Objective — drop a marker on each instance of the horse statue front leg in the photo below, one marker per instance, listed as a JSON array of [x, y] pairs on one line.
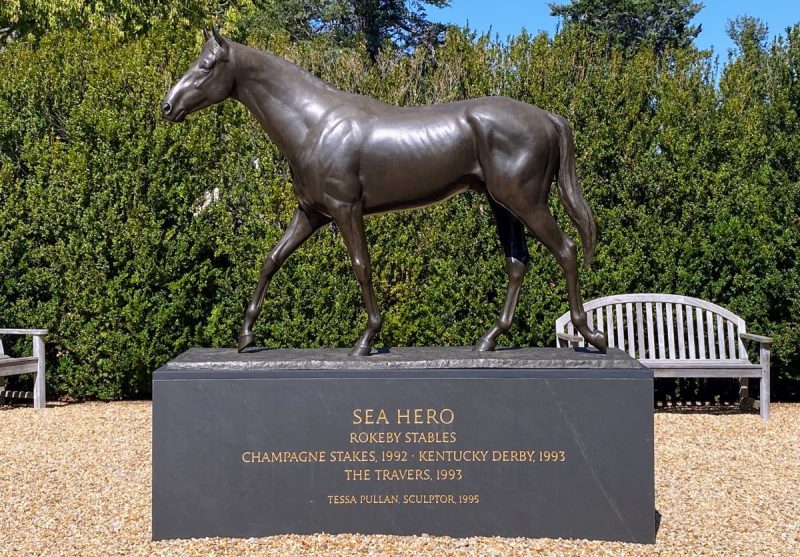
[[349, 219], [300, 229]]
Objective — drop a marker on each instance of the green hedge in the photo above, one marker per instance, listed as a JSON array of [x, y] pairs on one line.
[[694, 185]]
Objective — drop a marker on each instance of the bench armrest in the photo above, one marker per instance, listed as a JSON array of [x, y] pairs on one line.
[[763, 358], [28, 332], [756, 338], [39, 396], [572, 339]]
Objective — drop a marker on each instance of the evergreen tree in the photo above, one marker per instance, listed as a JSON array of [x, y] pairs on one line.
[[629, 23], [748, 33], [402, 22]]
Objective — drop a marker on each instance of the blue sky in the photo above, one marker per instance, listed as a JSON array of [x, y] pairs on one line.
[[509, 17]]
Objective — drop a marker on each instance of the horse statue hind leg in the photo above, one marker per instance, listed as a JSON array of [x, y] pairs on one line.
[[542, 224], [512, 237], [522, 190]]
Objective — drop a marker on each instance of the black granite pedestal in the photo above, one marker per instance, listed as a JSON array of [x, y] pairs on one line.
[[528, 442]]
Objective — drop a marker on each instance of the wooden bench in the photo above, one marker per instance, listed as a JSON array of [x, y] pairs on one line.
[[33, 364], [676, 336]]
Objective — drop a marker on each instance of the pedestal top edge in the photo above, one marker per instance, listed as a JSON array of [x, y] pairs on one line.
[[222, 359]]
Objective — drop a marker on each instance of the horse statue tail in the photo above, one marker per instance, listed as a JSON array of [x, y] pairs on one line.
[[570, 191]]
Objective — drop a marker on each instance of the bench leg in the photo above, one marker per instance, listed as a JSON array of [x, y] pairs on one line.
[[38, 382], [764, 398], [744, 393]]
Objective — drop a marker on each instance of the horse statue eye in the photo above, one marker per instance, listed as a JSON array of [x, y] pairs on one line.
[[205, 67]]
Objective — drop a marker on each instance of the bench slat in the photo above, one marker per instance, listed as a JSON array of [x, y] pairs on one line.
[[742, 349], [690, 326], [702, 368], [651, 338], [720, 338], [620, 330], [676, 373], [701, 337], [629, 322], [712, 351], [663, 298], [706, 363], [610, 328], [731, 342], [600, 320], [18, 366], [662, 352], [8, 362], [590, 322], [640, 330], [670, 332], [20, 395], [681, 341]]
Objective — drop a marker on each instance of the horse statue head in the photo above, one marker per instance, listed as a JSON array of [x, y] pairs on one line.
[[208, 81]]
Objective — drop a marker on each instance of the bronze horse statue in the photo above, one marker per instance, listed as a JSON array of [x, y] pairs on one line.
[[353, 156]]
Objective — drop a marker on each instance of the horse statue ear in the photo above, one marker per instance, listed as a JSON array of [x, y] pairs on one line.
[[221, 41], [222, 54], [205, 34]]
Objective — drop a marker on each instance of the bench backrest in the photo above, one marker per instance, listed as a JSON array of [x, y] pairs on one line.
[[663, 327]]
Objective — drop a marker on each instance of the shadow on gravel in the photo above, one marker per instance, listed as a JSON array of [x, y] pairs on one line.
[[706, 408], [14, 403]]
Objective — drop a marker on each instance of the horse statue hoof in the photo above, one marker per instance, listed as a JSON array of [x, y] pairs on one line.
[[360, 350], [245, 340], [599, 341], [484, 345]]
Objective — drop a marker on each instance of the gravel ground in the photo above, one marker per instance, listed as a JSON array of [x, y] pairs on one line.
[[75, 480]]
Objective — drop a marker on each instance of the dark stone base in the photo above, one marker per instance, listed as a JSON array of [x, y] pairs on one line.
[[530, 442]]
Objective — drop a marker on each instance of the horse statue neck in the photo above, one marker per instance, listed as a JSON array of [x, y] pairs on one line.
[[286, 100]]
